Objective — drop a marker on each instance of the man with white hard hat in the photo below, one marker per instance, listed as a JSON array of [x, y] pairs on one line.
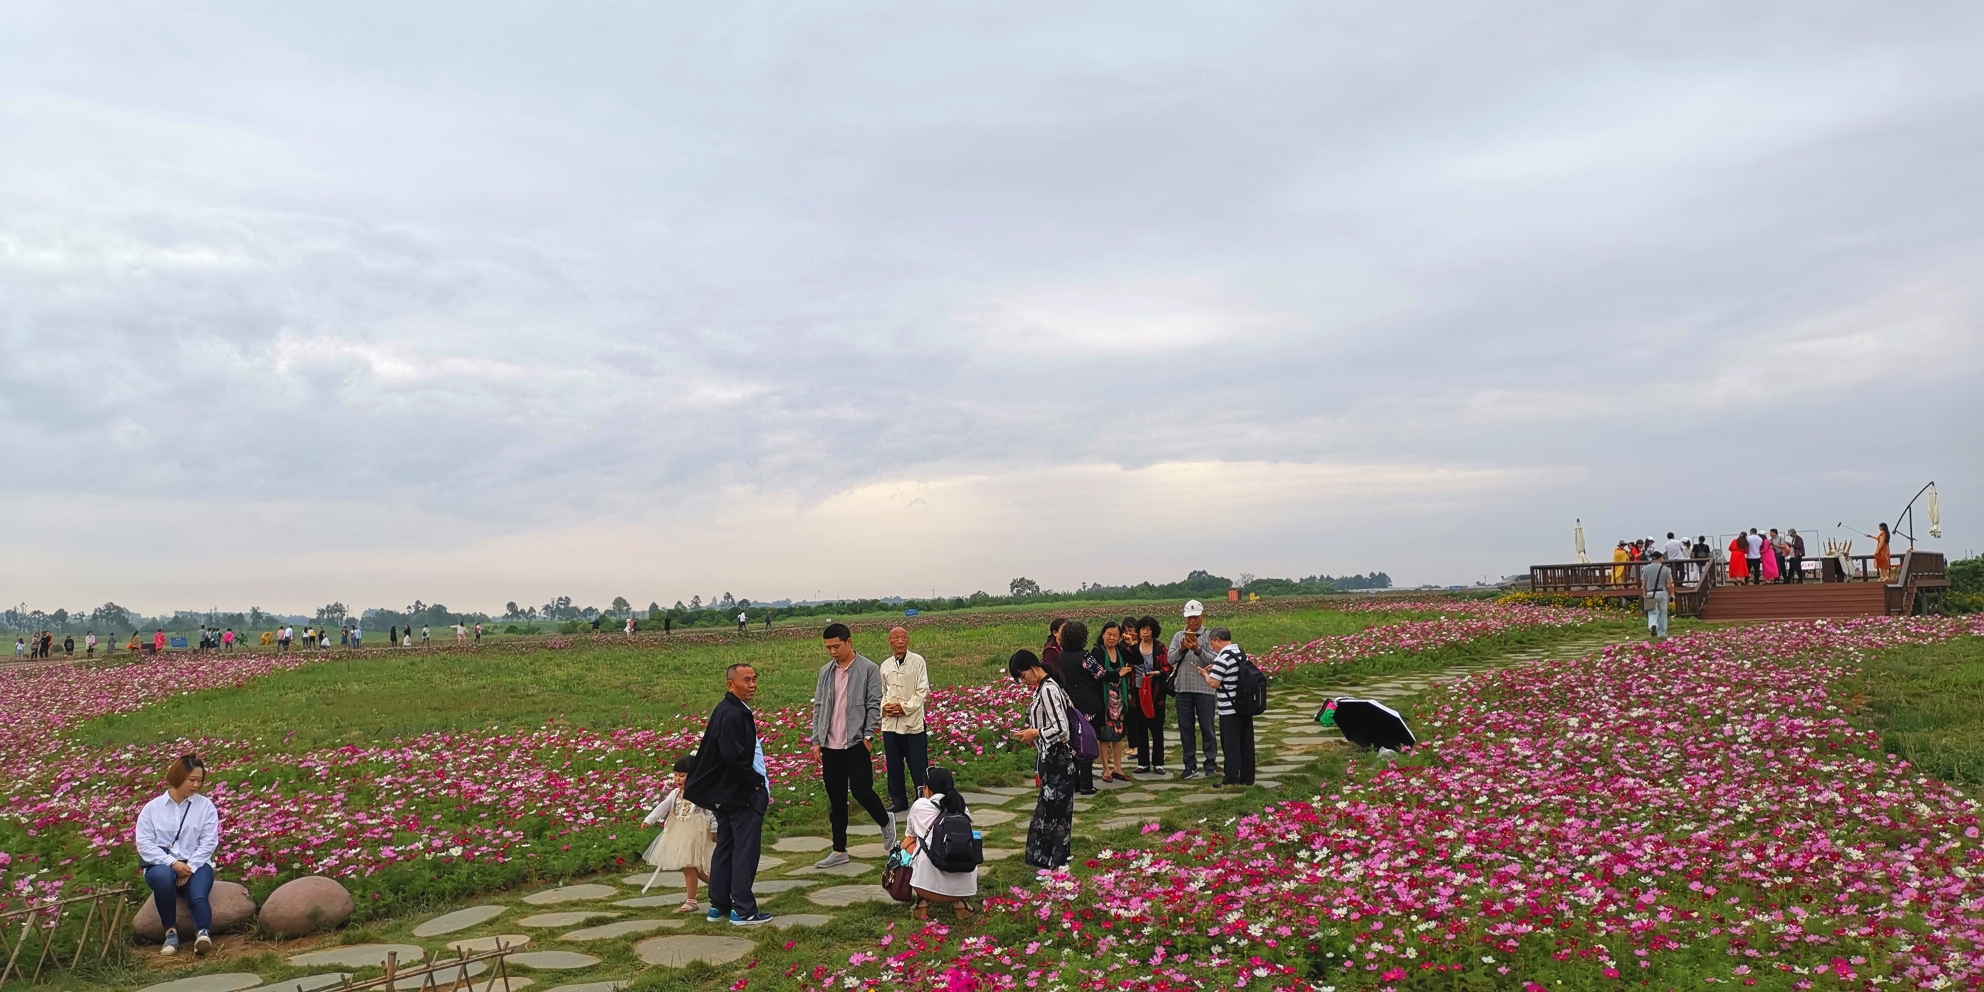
[[1191, 658]]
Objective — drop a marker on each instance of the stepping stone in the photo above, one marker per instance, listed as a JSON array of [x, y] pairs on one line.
[[571, 893], [778, 885], [622, 929], [1112, 784], [1163, 786], [476, 945], [360, 955], [1306, 741], [849, 870], [668, 879], [1278, 768], [308, 983], [1267, 783], [992, 817], [1201, 797], [1008, 790], [800, 920], [671, 900], [460, 919], [875, 850], [233, 981], [561, 960], [983, 798], [848, 895], [510, 984], [1143, 810], [1000, 853], [1082, 807], [548, 921], [590, 987], [794, 844], [1122, 821], [1134, 797], [864, 830], [680, 951]]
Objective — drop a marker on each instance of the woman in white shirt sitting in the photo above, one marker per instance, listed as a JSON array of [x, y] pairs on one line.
[[932, 884], [176, 836]]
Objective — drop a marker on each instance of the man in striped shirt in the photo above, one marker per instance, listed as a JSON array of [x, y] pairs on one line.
[[1236, 729]]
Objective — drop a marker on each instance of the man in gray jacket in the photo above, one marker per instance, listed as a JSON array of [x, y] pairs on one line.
[[1191, 658], [847, 710]]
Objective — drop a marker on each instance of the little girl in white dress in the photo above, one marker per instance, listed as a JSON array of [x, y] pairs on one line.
[[688, 836]]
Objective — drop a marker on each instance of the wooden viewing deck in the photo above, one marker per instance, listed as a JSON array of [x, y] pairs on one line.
[[1832, 587]]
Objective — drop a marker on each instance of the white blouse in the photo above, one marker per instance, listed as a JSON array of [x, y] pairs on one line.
[[195, 823], [923, 815]]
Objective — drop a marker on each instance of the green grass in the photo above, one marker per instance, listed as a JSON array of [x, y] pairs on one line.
[[598, 683], [1927, 702]]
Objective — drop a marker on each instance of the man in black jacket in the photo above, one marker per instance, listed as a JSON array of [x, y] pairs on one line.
[[729, 779]]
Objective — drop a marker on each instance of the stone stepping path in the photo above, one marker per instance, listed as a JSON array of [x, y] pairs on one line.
[[589, 987], [1000, 853], [1267, 783], [983, 798], [621, 929], [557, 960], [1306, 741], [510, 984], [551, 921], [460, 919], [476, 945], [1120, 822], [848, 895], [668, 879], [992, 817], [308, 983], [801, 844], [852, 869], [1277, 768], [671, 900], [1008, 790], [778, 885], [680, 951], [233, 981], [1134, 797], [790, 920], [1143, 810], [875, 850], [1201, 797], [571, 893], [863, 830], [360, 955]]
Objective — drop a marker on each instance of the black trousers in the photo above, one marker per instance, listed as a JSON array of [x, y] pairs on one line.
[[1236, 738], [1146, 734], [844, 770], [1794, 570], [902, 752], [1756, 567], [740, 832]]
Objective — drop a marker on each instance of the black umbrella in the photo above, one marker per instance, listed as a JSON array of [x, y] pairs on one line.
[[1368, 723]]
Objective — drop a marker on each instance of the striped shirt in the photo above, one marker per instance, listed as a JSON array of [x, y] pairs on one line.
[[1048, 713], [1226, 668]]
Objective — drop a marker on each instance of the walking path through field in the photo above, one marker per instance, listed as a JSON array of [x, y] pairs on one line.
[[595, 935]]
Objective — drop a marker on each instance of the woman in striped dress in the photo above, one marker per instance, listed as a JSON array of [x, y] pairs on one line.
[[1047, 837]]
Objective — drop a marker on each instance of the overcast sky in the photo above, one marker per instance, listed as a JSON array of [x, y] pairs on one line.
[[482, 302]]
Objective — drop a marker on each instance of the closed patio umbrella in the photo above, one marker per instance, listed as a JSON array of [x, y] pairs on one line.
[[1577, 533], [1935, 513]]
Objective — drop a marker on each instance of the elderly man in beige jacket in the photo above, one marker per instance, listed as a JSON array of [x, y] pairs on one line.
[[905, 686]]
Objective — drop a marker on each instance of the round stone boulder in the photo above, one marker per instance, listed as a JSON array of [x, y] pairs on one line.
[[305, 906], [230, 901]]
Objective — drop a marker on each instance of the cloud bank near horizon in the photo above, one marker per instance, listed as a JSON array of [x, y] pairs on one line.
[[474, 304]]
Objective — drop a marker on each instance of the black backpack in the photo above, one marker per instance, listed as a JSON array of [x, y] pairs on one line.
[[1252, 699], [950, 847]]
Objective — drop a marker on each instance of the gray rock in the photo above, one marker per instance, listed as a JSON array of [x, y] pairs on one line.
[[553, 960], [1000, 853], [777, 885], [1201, 797], [621, 929], [992, 817], [550, 921], [306, 905], [1267, 783], [684, 949], [233, 981], [360, 955], [1009, 790], [665, 880], [460, 919], [230, 902], [1143, 810], [571, 893], [1120, 822], [865, 829], [852, 869], [800, 844], [848, 895], [308, 983], [874, 850], [1134, 797], [791, 920], [983, 798], [476, 945]]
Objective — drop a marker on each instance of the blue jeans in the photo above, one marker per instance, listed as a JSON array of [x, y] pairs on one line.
[[164, 883]]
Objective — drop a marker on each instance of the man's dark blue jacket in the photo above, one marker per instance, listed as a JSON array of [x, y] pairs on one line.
[[724, 775]]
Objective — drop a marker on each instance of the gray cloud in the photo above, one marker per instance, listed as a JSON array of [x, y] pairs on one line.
[[419, 276]]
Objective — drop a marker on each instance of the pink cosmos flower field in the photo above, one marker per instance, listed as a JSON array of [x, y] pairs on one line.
[[1697, 812], [563, 798]]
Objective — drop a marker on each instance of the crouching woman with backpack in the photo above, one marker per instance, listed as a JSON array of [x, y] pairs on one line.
[[1051, 730], [944, 865]]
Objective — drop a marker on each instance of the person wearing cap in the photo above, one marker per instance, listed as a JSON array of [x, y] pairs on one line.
[[1191, 659]]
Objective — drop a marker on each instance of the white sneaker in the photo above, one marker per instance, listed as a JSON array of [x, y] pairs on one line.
[[833, 858], [889, 834]]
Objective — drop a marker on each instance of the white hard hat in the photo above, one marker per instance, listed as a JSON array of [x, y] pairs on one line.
[[1194, 608]]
